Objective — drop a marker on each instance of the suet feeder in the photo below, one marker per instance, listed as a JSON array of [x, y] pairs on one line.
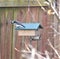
[[29, 29]]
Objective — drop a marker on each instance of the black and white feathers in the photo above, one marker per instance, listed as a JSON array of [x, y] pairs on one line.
[[17, 23]]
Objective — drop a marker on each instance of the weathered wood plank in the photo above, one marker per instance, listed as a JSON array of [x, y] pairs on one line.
[[18, 39], [34, 18], [10, 3], [44, 34], [3, 36], [0, 34], [9, 31]]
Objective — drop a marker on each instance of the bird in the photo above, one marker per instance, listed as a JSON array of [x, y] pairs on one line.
[[17, 23]]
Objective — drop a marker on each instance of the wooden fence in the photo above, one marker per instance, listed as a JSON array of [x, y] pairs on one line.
[[8, 42]]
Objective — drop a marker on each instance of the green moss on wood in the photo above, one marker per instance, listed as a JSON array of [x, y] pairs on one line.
[[21, 3]]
